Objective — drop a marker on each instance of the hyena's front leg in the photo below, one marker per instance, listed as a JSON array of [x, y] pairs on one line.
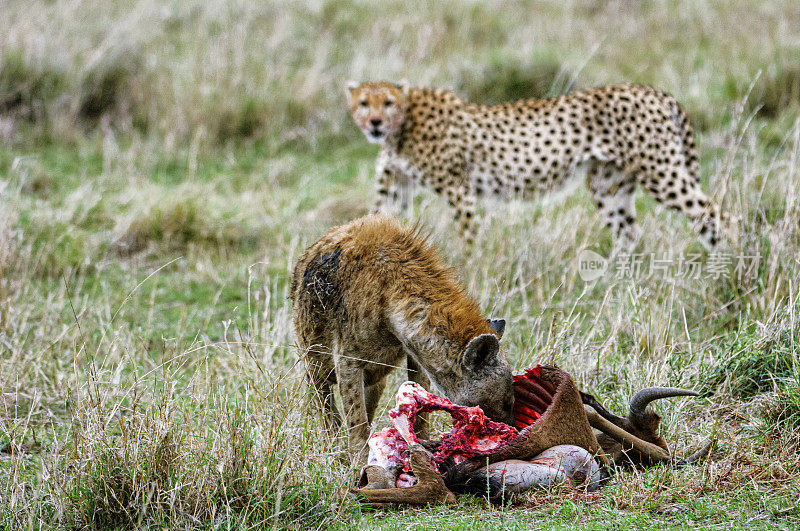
[[351, 387]]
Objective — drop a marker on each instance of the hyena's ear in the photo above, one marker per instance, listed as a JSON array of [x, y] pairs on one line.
[[351, 86], [498, 326], [481, 349]]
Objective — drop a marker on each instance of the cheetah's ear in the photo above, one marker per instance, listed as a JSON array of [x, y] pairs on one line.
[[481, 349], [351, 86], [402, 86], [498, 326]]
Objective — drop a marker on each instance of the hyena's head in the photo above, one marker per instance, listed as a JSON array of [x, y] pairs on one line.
[[487, 379], [377, 108]]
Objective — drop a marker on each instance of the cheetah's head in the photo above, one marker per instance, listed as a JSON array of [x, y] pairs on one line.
[[377, 108]]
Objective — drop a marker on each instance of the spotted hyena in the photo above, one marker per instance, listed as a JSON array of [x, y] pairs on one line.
[[373, 293]]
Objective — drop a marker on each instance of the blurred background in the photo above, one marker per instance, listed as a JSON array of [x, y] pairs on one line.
[[246, 98], [161, 94], [202, 74]]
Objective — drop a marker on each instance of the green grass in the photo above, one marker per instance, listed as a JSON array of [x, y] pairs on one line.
[[162, 168]]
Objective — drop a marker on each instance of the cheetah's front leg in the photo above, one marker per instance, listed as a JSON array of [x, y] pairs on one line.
[[393, 189], [403, 194], [462, 199], [385, 180]]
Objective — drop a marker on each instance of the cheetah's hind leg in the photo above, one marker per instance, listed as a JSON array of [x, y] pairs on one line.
[[712, 224], [613, 192], [708, 220]]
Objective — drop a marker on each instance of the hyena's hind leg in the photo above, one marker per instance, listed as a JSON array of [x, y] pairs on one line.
[[321, 375], [372, 397], [350, 376], [613, 192]]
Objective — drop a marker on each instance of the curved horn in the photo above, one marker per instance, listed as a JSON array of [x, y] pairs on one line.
[[645, 448], [590, 400], [697, 456], [641, 399]]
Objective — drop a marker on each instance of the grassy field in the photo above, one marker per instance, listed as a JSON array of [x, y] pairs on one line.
[[163, 164]]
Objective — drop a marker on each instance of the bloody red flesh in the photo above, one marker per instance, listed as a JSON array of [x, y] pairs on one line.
[[473, 432], [532, 396]]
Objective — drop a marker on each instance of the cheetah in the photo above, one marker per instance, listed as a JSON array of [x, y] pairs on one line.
[[372, 293], [623, 134]]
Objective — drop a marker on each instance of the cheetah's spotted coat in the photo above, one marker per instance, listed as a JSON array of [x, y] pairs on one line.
[[625, 134]]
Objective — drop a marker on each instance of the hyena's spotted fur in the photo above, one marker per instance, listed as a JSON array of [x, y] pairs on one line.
[[372, 293]]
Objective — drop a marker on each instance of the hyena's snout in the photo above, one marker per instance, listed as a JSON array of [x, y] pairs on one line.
[[501, 410], [490, 384]]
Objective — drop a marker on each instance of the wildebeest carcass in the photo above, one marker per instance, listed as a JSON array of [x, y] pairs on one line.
[[552, 442]]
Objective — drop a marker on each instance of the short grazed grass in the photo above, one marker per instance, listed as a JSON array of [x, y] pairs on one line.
[[162, 166]]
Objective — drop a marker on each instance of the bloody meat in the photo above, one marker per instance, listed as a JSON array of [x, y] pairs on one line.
[[473, 433], [532, 396]]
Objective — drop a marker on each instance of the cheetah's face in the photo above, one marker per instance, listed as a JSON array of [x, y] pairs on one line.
[[377, 108]]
